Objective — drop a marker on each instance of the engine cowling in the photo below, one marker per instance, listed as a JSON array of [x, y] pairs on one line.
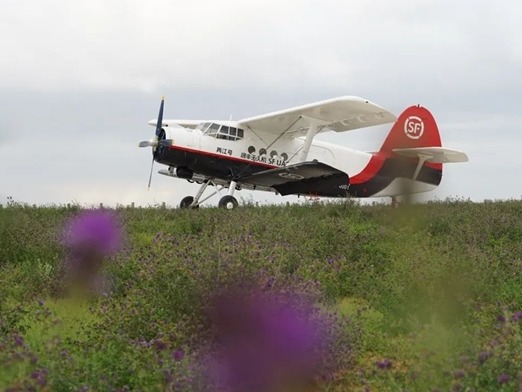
[[183, 172]]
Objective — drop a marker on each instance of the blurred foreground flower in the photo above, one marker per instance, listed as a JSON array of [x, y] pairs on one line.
[[90, 238], [503, 378], [384, 364], [267, 342], [517, 316], [96, 229], [483, 357]]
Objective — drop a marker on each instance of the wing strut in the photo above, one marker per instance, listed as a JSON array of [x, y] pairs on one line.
[[314, 128], [422, 158]]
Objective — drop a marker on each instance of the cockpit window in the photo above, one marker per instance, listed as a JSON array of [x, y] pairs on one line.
[[202, 126], [223, 132]]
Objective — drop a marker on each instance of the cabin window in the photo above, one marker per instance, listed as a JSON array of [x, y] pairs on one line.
[[227, 133], [223, 132]]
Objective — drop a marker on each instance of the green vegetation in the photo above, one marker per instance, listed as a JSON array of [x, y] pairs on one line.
[[433, 293]]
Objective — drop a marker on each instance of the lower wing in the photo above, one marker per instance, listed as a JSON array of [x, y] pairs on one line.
[[305, 178]]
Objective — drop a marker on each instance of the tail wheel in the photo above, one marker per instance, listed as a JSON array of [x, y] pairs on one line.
[[228, 202], [186, 202]]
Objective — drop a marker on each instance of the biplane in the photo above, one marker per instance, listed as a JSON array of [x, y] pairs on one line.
[[276, 152]]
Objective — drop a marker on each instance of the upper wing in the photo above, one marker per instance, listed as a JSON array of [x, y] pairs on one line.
[[184, 123], [303, 178], [338, 114]]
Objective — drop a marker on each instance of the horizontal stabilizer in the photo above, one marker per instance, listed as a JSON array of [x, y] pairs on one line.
[[303, 178], [433, 154]]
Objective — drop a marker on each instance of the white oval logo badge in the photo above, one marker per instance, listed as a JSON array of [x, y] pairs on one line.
[[291, 176], [414, 127]]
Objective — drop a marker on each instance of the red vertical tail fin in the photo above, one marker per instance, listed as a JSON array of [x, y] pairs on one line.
[[415, 127]]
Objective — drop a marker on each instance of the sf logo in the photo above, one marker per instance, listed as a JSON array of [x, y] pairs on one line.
[[414, 127]]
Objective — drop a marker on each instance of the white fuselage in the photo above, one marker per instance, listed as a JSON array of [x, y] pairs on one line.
[[284, 151]]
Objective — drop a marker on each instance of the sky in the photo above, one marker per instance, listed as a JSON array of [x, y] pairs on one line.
[[79, 81]]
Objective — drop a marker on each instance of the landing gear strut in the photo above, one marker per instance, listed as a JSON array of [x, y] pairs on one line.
[[229, 201], [394, 202]]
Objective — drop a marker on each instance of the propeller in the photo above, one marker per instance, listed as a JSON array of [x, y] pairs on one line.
[[150, 176], [159, 123], [155, 142]]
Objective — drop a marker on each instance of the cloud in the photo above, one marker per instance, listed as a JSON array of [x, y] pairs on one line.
[[265, 45], [81, 79]]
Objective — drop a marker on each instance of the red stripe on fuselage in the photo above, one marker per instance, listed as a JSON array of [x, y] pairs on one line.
[[371, 169], [223, 156]]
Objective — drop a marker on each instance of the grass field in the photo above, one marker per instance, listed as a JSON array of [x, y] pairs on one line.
[[425, 298]]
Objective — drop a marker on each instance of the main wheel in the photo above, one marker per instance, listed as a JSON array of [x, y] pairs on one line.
[[228, 202], [186, 202]]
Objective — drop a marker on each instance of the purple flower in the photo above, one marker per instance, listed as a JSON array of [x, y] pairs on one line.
[[483, 356], [178, 355], [65, 355], [18, 340], [503, 378], [33, 359], [517, 316], [40, 376], [160, 345], [384, 364], [95, 229], [501, 318], [90, 236], [264, 341]]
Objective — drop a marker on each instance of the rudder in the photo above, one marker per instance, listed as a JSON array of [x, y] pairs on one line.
[[415, 127]]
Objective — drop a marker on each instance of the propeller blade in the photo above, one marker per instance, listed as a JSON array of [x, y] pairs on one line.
[[150, 176], [148, 143], [154, 142], [159, 123]]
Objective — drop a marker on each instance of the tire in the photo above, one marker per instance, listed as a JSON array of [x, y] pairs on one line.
[[186, 202], [228, 202]]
